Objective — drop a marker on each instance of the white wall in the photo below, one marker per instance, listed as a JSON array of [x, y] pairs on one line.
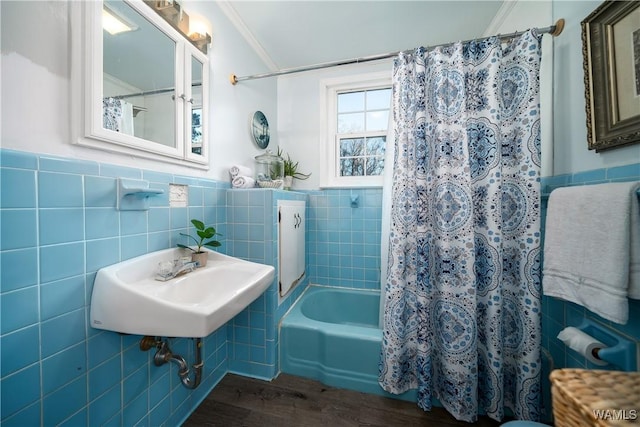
[[570, 129], [35, 88], [564, 129], [564, 132], [299, 116], [298, 94]]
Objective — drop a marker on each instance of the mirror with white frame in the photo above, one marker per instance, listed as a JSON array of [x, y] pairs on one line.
[[138, 77], [196, 105], [145, 85]]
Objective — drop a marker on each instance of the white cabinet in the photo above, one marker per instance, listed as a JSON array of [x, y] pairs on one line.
[[143, 91], [291, 244]]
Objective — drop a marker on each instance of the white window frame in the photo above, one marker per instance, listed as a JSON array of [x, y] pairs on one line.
[[329, 154]]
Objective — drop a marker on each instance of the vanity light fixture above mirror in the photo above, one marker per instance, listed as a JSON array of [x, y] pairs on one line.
[[172, 12]]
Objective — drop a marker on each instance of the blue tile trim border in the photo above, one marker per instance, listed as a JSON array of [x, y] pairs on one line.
[[629, 172]]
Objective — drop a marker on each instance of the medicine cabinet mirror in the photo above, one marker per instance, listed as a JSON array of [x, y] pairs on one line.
[[144, 86]]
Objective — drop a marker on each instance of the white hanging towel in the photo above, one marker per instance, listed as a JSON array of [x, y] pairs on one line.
[[126, 119], [592, 247], [117, 115]]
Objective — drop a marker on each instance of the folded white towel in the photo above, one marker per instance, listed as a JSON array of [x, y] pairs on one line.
[[243, 182], [634, 262], [237, 170], [592, 247]]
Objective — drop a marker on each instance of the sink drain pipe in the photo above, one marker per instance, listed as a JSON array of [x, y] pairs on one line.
[[165, 355]]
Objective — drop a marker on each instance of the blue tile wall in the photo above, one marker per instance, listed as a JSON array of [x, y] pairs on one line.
[[47, 276], [344, 240], [49, 352], [59, 225], [558, 314], [252, 233], [342, 246]]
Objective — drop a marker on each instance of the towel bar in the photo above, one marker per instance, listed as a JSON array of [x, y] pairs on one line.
[[545, 195]]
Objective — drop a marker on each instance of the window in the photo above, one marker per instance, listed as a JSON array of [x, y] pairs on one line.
[[362, 120], [357, 117]]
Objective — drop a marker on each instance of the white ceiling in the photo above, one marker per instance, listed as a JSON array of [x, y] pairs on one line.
[[290, 34], [294, 33]]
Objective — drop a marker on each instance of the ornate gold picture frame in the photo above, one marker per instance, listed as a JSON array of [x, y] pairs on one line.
[[611, 52]]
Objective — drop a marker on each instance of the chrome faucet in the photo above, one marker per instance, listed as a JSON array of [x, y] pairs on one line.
[[168, 270]]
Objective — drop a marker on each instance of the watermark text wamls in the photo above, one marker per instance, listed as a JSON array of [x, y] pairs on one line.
[[616, 414]]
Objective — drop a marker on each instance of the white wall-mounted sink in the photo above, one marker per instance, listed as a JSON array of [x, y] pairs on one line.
[[127, 298]]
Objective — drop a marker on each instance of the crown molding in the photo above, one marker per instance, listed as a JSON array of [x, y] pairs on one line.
[[500, 18], [229, 11]]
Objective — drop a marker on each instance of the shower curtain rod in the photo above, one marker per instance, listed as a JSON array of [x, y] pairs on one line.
[[150, 92], [145, 93], [554, 30]]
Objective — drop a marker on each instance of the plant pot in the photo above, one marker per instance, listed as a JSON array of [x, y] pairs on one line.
[[288, 182], [200, 257]]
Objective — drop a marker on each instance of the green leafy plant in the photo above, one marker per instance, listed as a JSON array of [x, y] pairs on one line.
[[203, 233], [291, 167]]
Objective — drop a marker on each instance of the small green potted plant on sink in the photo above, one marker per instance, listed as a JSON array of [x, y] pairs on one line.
[[204, 233]]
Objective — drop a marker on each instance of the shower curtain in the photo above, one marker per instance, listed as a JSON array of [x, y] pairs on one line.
[[462, 295], [117, 115]]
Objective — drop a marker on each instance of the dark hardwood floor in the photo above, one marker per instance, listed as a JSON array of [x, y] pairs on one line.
[[294, 401]]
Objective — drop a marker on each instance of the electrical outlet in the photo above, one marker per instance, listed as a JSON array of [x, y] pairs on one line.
[[178, 195]]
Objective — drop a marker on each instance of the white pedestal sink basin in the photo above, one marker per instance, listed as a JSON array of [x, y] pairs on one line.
[[127, 298]]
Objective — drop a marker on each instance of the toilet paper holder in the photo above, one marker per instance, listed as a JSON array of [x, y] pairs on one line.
[[619, 351]]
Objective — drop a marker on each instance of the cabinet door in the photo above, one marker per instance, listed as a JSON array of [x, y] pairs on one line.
[[291, 243], [135, 87], [196, 105], [138, 77], [300, 237], [140, 74]]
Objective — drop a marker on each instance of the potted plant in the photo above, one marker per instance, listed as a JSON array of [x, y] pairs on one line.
[[291, 171], [198, 254]]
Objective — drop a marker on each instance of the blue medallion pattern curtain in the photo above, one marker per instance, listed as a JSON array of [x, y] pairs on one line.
[[111, 113], [462, 298]]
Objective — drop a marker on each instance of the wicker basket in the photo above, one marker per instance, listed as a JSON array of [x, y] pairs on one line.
[[584, 397], [276, 183]]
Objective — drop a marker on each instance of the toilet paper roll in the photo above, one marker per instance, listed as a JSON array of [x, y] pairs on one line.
[[582, 343]]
